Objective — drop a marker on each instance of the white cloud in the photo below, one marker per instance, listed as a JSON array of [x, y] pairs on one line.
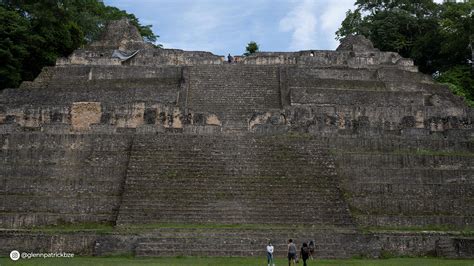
[[313, 23], [334, 14], [205, 26], [332, 17], [302, 22], [227, 25]]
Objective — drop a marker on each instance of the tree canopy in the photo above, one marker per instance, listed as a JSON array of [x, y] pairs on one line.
[[437, 36], [34, 33], [252, 47]]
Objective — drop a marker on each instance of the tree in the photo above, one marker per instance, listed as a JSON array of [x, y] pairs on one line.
[[252, 47], [460, 81], [436, 36], [34, 33], [13, 46]]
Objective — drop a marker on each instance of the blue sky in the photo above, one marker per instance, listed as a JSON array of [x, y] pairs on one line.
[[226, 26]]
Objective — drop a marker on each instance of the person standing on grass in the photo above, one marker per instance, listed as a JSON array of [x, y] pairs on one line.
[[291, 252], [270, 254], [304, 253], [311, 249]]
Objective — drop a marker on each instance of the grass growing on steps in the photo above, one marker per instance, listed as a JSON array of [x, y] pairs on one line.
[[467, 231], [133, 227], [422, 152], [107, 228], [435, 152], [99, 228], [234, 261]]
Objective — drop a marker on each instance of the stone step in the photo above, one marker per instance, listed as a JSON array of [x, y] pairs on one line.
[[223, 217], [246, 242], [403, 161], [445, 248]]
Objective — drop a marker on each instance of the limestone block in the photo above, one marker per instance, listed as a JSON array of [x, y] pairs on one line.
[[341, 121], [45, 116], [83, 114], [136, 115], [31, 118], [14, 115], [419, 119], [78, 60], [213, 120], [177, 118], [267, 122], [157, 109]]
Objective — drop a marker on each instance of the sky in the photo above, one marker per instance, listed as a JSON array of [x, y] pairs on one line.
[[227, 26]]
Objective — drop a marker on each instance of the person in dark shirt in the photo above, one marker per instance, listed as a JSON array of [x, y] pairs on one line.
[[291, 252], [304, 253]]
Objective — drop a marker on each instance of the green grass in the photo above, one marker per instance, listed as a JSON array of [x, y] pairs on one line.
[[205, 261]]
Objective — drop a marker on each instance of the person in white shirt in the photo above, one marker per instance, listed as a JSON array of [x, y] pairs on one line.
[[270, 254]]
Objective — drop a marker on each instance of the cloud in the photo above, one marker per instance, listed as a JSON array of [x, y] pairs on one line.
[[227, 25], [302, 22], [332, 17], [203, 25]]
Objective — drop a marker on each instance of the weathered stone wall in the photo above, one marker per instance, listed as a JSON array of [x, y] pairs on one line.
[[239, 242], [236, 95], [406, 182], [51, 179]]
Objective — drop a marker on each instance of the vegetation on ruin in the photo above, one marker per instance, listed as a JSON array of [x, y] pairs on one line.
[[437, 36], [143, 227], [108, 228], [98, 228], [460, 80], [467, 231], [252, 47], [230, 261], [424, 152], [34, 33]]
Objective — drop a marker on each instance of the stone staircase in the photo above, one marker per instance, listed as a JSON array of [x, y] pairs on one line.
[[234, 92], [244, 242], [232, 180]]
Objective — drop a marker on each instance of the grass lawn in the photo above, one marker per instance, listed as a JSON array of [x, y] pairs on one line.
[[205, 261]]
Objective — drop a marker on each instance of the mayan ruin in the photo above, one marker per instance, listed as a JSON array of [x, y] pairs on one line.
[[185, 154]]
